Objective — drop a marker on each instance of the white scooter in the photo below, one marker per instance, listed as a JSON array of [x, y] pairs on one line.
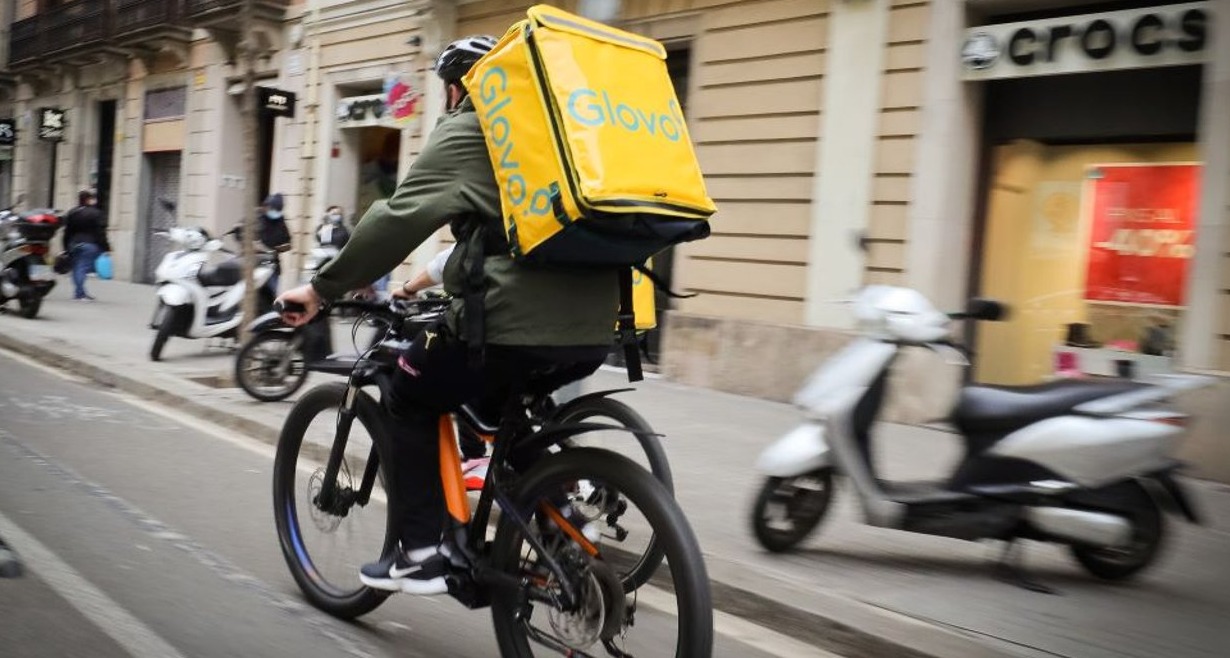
[[197, 299], [1083, 463]]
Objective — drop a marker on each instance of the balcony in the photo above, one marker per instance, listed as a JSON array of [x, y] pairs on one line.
[[225, 13], [86, 30], [143, 21], [76, 26], [26, 40]]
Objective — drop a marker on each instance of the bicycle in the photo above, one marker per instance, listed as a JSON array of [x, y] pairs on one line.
[[538, 558]]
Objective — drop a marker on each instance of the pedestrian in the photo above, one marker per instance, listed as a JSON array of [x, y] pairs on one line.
[[85, 238], [271, 231], [332, 231]]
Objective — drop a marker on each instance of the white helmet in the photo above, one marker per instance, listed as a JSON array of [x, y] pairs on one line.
[[461, 54]]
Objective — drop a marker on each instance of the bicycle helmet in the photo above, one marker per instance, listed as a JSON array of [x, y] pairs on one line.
[[461, 54]]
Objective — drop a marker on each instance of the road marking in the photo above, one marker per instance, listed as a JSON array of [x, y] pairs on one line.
[[137, 639], [738, 629], [335, 631]]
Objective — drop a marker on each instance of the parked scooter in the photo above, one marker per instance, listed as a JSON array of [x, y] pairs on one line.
[[1083, 463], [275, 362], [197, 299], [25, 242]]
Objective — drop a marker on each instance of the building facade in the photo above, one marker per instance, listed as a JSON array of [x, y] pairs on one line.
[[1010, 148]]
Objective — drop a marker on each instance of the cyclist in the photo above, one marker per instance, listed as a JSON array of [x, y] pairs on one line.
[[553, 321]]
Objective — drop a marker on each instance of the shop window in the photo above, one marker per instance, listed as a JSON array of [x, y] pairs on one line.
[[1091, 247]]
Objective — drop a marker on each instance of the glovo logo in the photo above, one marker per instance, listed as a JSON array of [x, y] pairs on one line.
[[493, 91], [596, 109]]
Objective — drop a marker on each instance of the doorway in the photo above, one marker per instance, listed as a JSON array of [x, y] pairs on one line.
[[163, 182], [106, 152]]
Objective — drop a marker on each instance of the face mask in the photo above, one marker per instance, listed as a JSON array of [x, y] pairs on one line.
[[273, 214], [335, 217]]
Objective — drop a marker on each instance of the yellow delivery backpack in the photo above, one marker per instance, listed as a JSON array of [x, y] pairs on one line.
[[588, 143], [590, 149]]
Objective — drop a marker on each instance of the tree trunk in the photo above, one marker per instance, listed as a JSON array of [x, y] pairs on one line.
[[247, 56]]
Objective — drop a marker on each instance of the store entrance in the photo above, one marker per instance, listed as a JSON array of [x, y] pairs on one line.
[[379, 150], [1088, 223]]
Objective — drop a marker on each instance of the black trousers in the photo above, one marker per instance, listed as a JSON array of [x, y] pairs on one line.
[[435, 376]]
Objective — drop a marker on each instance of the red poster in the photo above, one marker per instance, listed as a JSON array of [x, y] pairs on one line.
[[1144, 233]]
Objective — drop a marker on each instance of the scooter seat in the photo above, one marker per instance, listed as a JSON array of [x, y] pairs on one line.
[[983, 410], [226, 273]]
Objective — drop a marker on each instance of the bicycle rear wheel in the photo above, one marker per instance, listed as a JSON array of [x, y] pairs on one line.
[[673, 616], [631, 550], [325, 542]]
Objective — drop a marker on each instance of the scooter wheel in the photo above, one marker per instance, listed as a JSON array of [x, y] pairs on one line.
[[1148, 535], [270, 367], [789, 509]]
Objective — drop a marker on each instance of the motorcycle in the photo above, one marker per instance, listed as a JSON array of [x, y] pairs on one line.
[[275, 362], [25, 241], [1083, 463], [197, 299]]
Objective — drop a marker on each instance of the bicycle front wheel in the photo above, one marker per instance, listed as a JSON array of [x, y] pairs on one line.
[[670, 616], [327, 538]]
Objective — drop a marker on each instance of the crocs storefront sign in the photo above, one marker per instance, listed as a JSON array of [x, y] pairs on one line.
[[1168, 35]]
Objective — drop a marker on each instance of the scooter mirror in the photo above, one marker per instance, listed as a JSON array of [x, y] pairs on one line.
[[981, 308]]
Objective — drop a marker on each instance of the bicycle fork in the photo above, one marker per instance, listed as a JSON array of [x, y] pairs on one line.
[[330, 499]]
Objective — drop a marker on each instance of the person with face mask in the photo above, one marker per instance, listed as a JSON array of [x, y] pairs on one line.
[[273, 233], [332, 232]]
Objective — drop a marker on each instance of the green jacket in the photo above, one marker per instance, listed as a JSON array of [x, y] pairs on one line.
[[452, 178]]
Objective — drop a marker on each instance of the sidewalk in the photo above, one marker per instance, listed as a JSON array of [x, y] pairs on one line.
[[855, 590]]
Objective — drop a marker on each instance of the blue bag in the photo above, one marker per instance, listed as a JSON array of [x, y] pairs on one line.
[[102, 266]]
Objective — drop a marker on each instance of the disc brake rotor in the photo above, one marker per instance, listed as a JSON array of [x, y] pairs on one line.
[[325, 521]]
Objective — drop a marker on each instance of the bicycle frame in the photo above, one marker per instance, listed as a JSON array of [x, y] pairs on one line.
[[467, 527], [466, 533]]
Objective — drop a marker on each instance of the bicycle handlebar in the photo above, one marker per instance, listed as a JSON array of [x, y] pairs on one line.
[[398, 308]]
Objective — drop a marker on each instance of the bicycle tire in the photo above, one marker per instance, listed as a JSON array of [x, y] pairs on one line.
[[688, 575], [341, 604], [583, 409]]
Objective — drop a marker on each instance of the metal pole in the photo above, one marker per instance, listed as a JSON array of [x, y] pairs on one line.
[[51, 193]]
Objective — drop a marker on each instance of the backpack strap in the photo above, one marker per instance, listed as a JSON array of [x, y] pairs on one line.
[[627, 326], [660, 284]]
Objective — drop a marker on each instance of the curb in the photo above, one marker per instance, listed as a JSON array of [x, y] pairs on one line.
[[837, 624]]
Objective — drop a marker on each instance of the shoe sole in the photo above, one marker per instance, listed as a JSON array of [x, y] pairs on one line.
[[407, 585]]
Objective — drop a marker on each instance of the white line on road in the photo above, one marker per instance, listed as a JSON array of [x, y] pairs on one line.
[[136, 638]]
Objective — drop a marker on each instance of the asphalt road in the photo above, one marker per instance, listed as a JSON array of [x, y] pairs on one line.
[[145, 533]]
